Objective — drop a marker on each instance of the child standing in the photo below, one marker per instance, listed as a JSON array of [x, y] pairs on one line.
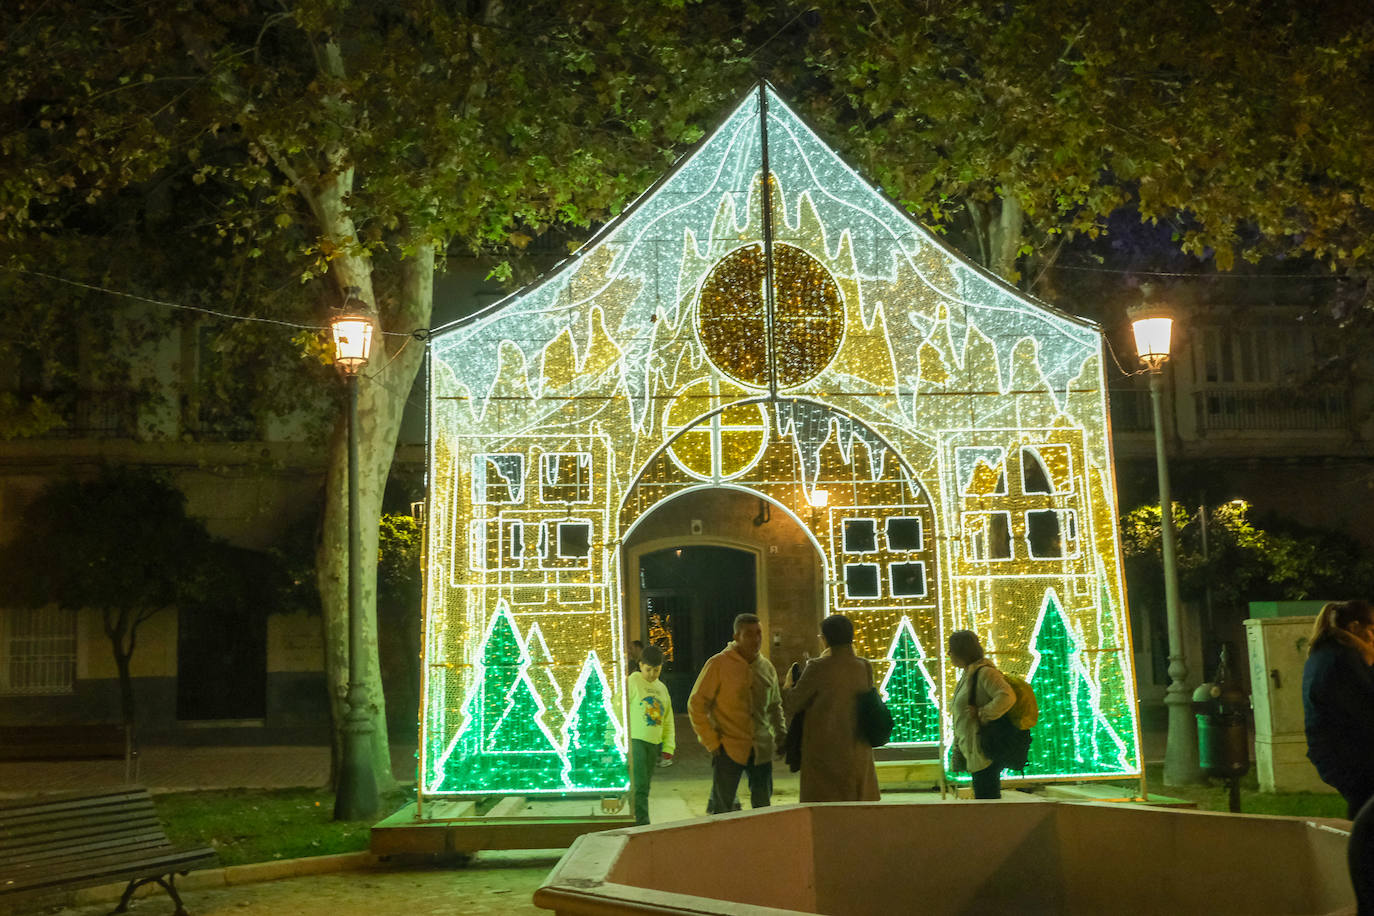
[[651, 726]]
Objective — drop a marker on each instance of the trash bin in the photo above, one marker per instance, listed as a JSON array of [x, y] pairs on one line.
[[1222, 736]]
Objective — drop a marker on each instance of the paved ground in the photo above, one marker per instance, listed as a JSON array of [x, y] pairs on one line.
[[493, 883]]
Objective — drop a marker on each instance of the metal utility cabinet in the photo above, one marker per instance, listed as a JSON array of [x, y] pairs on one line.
[[1278, 650]]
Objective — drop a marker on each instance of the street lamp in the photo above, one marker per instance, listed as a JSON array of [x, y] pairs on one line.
[[355, 793], [1153, 327]]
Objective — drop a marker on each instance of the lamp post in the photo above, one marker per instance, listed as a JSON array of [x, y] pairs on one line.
[[355, 793], [1153, 328]]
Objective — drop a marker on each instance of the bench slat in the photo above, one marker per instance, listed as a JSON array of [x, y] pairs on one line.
[[85, 838], [50, 852], [103, 869], [24, 833], [57, 803]]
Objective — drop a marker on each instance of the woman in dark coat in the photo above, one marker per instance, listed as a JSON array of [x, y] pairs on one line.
[[836, 761], [1338, 701]]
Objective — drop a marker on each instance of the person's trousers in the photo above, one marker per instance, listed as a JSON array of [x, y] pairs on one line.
[[1360, 858], [987, 782], [643, 758], [725, 774]]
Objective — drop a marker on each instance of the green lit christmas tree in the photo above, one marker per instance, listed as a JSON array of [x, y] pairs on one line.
[[1115, 701], [909, 690], [595, 759], [1072, 735], [503, 744], [541, 675]]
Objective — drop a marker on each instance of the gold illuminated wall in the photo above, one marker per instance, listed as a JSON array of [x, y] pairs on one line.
[[958, 429]]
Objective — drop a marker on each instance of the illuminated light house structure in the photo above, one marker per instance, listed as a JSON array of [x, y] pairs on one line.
[[764, 319]]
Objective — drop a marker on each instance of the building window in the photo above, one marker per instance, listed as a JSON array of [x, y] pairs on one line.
[[37, 651]]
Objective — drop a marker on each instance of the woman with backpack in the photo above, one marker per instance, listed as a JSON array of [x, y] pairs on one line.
[[981, 696]]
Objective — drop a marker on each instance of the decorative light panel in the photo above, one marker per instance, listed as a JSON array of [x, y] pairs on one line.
[[957, 430]]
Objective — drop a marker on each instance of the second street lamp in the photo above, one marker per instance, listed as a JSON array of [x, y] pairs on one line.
[[355, 791], [1153, 329]]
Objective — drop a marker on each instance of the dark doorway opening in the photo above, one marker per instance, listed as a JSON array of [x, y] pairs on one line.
[[221, 665], [689, 597]]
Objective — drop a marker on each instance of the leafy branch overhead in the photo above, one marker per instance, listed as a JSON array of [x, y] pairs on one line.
[[1221, 550]]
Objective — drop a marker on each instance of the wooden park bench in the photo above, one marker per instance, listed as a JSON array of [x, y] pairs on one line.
[[55, 843], [98, 741]]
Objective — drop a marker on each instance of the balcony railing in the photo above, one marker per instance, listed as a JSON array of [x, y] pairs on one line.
[[1272, 409], [87, 414]]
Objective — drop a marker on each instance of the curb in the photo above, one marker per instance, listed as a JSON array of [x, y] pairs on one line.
[[227, 876]]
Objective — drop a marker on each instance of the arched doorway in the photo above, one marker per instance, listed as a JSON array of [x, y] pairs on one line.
[[739, 552], [688, 599]]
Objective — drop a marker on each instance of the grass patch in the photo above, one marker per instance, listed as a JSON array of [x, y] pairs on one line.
[[260, 825], [1217, 797]]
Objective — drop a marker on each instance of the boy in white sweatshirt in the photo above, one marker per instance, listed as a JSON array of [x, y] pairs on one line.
[[651, 726]]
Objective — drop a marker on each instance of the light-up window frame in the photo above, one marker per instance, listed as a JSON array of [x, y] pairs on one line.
[[582, 461], [1001, 466], [1069, 535], [892, 579], [920, 533], [481, 485], [554, 558], [844, 534], [1033, 453], [966, 524], [877, 581]]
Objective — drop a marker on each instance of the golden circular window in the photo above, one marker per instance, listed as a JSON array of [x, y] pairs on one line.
[[808, 316], [727, 443]]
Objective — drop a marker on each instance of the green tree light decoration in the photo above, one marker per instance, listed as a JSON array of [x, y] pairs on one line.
[[1071, 733], [1112, 677], [503, 744], [909, 690], [541, 675], [595, 758]]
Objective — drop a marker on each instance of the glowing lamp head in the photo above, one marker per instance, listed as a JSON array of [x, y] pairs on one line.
[[352, 331], [1153, 327], [818, 499]]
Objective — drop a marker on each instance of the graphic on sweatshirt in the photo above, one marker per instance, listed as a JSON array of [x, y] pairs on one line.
[[653, 710]]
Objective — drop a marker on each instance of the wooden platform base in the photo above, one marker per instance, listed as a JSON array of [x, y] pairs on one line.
[[455, 828]]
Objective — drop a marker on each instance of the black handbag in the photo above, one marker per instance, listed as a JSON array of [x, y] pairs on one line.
[[875, 719], [792, 745], [1005, 744]]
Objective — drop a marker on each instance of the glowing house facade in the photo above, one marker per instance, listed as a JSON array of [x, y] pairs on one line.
[[779, 337]]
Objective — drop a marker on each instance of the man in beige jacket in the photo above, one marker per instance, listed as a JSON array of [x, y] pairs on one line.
[[736, 711]]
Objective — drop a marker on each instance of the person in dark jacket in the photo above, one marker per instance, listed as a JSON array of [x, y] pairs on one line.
[[1338, 700], [1338, 705]]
